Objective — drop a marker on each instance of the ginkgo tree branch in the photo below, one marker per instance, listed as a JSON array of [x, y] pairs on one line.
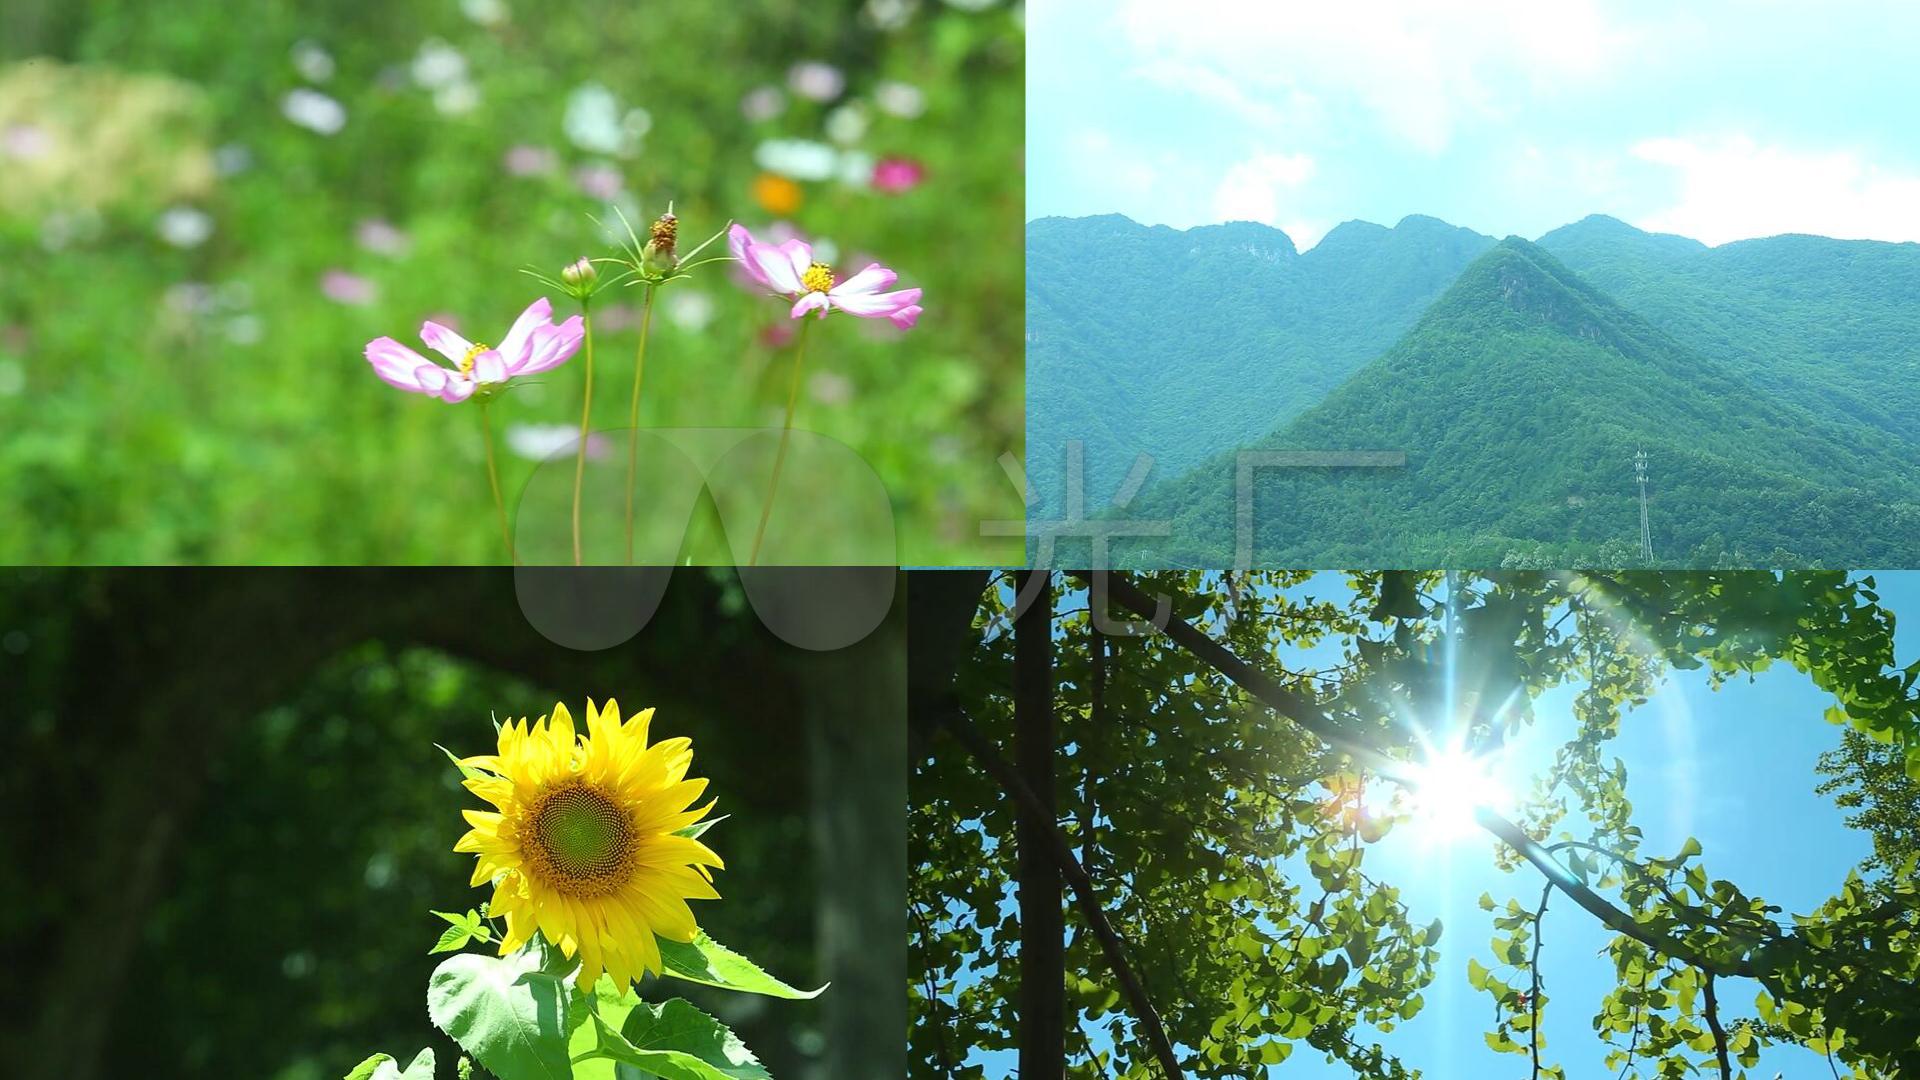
[[957, 724], [1306, 713], [1719, 1033], [1533, 965], [1293, 705], [933, 992], [1531, 850]]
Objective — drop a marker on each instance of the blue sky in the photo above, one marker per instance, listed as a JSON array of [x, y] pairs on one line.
[[1732, 768], [1715, 120]]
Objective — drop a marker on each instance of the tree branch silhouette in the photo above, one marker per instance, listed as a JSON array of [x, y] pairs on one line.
[[1308, 714]]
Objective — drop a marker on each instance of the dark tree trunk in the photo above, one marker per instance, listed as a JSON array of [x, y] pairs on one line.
[[855, 703], [1043, 976]]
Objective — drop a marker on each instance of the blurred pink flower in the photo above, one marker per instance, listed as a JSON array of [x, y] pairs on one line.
[[816, 79], [896, 174], [598, 181], [614, 318], [530, 161], [25, 141], [762, 103], [790, 271], [534, 344], [380, 237], [344, 288]]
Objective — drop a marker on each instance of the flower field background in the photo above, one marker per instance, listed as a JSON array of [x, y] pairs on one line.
[[224, 864], [205, 213]]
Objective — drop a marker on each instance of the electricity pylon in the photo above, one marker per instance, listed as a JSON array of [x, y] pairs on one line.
[[1646, 532]]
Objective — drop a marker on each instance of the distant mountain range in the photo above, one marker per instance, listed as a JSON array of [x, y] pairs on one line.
[[1772, 383]]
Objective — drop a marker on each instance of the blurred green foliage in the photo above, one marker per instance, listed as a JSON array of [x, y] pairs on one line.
[[198, 399]]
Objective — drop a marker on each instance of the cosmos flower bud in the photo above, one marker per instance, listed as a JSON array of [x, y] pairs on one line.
[[657, 258], [579, 274]]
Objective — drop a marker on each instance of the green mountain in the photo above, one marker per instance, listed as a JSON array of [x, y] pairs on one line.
[[1835, 324], [1181, 343], [1520, 398]]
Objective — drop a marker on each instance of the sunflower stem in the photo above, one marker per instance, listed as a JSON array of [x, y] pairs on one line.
[[780, 456], [493, 480], [633, 413], [586, 411]]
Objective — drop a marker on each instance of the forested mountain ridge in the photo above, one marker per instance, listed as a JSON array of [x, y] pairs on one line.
[[1181, 343], [1520, 398], [1833, 323]]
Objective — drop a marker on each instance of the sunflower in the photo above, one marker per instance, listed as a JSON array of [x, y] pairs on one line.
[[583, 845]]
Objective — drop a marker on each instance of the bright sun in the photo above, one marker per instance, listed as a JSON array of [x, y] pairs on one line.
[[1448, 785]]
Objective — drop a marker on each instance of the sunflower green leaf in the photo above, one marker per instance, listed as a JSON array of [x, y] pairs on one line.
[[675, 1041], [706, 961], [509, 1012], [383, 1067]]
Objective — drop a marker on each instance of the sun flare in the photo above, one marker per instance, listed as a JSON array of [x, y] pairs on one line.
[[1445, 789]]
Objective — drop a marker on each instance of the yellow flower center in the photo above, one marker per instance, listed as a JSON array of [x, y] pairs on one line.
[[466, 362], [818, 278], [579, 841]]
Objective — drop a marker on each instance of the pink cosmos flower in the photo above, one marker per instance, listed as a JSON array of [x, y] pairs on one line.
[[790, 271], [534, 344]]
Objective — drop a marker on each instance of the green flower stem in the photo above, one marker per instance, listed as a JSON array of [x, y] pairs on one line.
[[586, 411], [633, 413], [780, 456], [493, 479]]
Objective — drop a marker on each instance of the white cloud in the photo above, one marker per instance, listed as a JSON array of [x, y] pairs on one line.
[[1118, 168], [1304, 234], [1252, 189], [1419, 65], [1255, 107], [1150, 184], [1732, 188]]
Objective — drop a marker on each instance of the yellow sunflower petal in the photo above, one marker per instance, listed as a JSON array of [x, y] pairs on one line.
[[495, 789]]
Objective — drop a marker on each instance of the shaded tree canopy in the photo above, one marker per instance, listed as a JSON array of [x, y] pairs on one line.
[[229, 820]]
